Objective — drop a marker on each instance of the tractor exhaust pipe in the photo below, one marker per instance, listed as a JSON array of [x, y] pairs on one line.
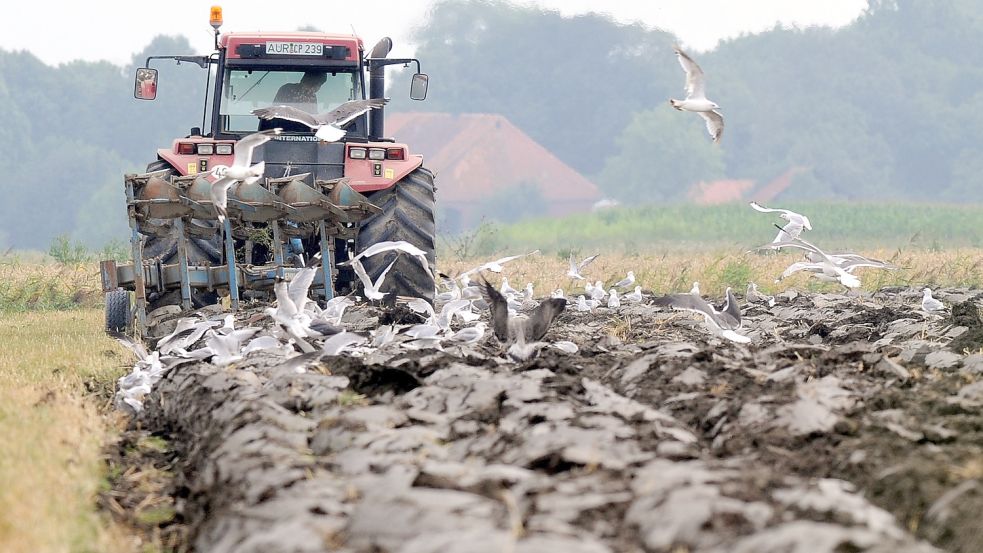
[[377, 87]]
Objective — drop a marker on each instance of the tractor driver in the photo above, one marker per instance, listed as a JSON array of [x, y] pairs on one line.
[[302, 95]]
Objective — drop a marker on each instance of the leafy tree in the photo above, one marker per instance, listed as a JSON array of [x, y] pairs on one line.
[[662, 153]]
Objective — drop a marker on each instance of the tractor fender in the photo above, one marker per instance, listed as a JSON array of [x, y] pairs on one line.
[[365, 175]]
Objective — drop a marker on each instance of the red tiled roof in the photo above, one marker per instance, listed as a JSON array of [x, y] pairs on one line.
[[778, 185], [476, 155]]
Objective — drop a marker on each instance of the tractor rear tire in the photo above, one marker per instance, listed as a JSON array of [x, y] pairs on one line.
[[407, 214], [201, 251], [117, 310]]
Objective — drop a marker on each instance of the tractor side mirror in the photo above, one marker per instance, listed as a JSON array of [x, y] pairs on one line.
[[145, 84], [418, 87]]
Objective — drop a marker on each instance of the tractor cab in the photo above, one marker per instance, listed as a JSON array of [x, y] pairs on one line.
[[312, 71]]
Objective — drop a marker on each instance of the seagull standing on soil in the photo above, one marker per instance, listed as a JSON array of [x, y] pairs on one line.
[[240, 170], [696, 99], [753, 295], [596, 291], [327, 125], [930, 304], [695, 290], [613, 300], [636, 296], [796, 222], [469, 335], [627, 281], [506, 288]]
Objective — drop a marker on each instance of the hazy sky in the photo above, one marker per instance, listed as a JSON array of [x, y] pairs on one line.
[[115, 29]]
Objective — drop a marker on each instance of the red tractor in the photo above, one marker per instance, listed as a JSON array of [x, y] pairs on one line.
[[260, 69]]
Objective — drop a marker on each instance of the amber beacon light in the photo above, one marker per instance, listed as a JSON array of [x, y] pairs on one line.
[[215, 17]]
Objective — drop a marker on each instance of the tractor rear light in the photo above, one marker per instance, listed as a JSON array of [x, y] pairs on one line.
[[395, 153], [377, 153], [356, 153], [186, 148], [206, 149], [223, 149]]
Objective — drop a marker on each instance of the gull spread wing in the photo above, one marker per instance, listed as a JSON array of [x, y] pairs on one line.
[[715, 124], [801, 266], [731, 310], [587, 261], [573, 265], [542, 317], [219, 194], [499, 309], [758, 207], [350, 110], [299, 285], [695, 82], [514, 257], [390, 245], [289, 113], [362, 275], [246, 145], [131, 344], [791, 214], [398, 245]]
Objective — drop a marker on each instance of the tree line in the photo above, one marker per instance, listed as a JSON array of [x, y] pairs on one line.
[[885, 108]]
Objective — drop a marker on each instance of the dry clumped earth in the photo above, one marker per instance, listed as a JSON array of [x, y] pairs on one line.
[[850, 423]]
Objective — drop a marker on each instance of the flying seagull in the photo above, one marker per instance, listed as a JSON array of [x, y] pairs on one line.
[[241, 169], [825, 268], [796, 222], [575, 268], [723, 323], [398, 246], [327, 125], [291, 301], [521, 332], [371, 289], [495, 266], [696, 99]]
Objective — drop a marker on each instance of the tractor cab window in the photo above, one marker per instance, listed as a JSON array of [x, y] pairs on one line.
[[312, 91]]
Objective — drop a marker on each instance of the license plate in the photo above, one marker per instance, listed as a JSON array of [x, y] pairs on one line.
[[295, 48]]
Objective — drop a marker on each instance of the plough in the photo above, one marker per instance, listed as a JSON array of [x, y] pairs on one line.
[[288, 206]]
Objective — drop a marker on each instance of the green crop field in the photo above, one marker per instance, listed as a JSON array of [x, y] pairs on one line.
[[732, 226]]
